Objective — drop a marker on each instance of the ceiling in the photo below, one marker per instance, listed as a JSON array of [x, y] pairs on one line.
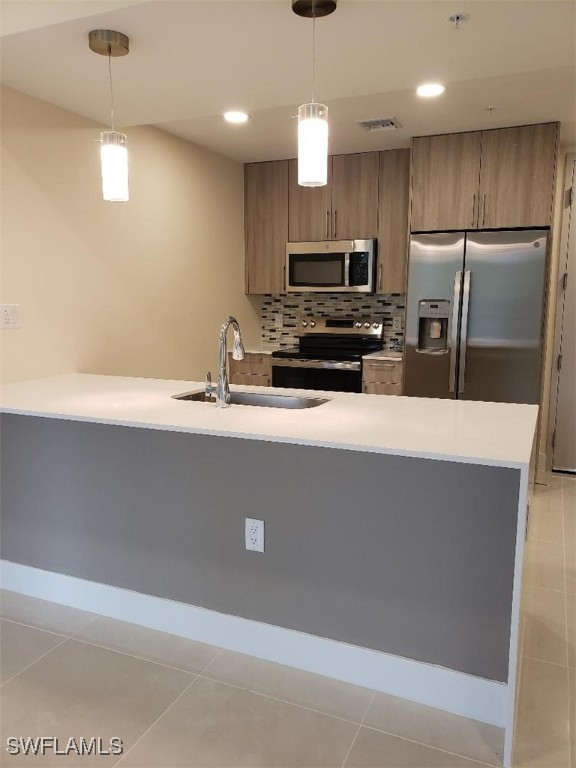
[[191, 60]]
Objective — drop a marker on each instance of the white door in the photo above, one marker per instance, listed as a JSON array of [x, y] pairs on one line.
[[564, 440]]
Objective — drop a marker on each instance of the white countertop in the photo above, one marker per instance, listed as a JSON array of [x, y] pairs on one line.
[[384, 354], [480, 433], [262, 349]]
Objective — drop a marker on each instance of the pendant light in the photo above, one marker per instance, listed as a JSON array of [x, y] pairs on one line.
[[313, 117], [113, 148]]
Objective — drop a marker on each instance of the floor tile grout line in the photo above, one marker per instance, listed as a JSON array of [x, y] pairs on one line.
[[546, 661], [359, 729], [160, 716], [33, 626], [213, 659], [282, 701], [429, 746], [64, 640], [133, 655]]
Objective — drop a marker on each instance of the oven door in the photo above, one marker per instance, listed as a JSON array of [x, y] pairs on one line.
[[330, 375]]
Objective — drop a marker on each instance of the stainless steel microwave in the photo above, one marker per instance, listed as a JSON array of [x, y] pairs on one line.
[[331, 266]]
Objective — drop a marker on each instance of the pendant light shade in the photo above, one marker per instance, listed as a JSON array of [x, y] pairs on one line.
[[313, 145], [114, 165], [313, 117], [113, 148]]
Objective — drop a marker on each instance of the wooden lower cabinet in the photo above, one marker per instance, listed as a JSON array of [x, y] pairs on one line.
[[382, 377], [255, 370]]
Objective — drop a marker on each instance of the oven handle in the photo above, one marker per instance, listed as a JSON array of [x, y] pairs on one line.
[[330, 365]]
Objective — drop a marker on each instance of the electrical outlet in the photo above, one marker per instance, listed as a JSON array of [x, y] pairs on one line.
[[278, 320], [10, 316], [397, 323], [254, 535]]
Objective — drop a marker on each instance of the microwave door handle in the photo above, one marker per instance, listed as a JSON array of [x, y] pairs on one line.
[[346, 270]]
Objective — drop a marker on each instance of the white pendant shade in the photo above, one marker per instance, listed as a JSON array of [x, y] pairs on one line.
[[313, 145], [114, 163]]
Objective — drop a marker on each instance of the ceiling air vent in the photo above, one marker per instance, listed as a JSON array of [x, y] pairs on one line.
[[380, 124]]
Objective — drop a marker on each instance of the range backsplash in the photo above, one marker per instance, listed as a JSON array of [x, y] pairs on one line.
[[385, 306]]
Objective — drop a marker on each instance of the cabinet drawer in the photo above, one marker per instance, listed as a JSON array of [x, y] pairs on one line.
[[370, 388], [253, 364], [382, 372], [251, 379]]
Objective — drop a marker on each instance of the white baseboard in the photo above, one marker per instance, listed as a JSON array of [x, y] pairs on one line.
[[435, 686]]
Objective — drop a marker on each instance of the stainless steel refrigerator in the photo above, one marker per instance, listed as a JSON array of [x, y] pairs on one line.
[[474, 315]]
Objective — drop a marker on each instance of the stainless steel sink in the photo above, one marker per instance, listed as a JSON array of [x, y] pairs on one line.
[[262, 399]]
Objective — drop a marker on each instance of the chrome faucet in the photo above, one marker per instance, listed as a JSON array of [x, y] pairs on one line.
[[223, 390]]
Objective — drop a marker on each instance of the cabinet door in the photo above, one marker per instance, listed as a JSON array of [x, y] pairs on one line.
[[355, 196], [445, 179], [393, 220], [381, 372], [265, 225], [310, 210], [253, 364], [517, 177]]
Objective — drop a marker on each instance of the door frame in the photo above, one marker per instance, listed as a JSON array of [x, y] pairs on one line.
[[568, 229]]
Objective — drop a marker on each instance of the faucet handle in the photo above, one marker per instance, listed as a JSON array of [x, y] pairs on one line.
[[209, 388]]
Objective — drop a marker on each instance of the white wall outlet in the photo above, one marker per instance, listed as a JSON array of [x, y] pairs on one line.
[[254, 535], [278, 320], [10, 316], [397, 323]]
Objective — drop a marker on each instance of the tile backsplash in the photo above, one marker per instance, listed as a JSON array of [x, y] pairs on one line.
[[386, 307]]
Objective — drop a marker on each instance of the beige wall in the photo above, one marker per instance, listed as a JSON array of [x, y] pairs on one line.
[[133, 289], [544, 455]]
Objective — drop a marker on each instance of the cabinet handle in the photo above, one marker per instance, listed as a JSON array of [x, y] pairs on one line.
[[335, 224], [484, 209], [474, 209], [327, 224]]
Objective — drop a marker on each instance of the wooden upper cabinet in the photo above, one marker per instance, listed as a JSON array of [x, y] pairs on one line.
[[346, 208], [355, 196], [265, 225], [393, 220], [445, 178], [517, 176], [309, 208]]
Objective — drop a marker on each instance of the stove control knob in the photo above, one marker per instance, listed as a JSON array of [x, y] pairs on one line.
[[357, 324], [304, 324], [375, 325], [312, 324], [366, 325]]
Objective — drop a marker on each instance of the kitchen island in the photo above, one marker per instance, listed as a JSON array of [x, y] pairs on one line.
[[394, 527]]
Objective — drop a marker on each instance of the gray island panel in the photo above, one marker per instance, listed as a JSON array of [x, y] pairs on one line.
[[408, 556]]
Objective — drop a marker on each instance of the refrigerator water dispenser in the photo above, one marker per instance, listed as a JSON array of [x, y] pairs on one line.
[[433, 317]]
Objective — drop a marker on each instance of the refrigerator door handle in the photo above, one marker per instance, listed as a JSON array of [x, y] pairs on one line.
[[454, 334], [464, 331]]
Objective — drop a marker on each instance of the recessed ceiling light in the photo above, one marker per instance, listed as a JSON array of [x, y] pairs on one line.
[[430, 89], [236, 117]]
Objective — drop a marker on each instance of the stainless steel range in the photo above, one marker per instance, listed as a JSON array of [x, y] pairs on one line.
[[329, 354]]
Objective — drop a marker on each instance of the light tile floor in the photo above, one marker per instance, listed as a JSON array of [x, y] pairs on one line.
[[176, 702]]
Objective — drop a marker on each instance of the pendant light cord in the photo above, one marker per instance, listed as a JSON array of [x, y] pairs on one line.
[[313, 57], [111, 88]]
